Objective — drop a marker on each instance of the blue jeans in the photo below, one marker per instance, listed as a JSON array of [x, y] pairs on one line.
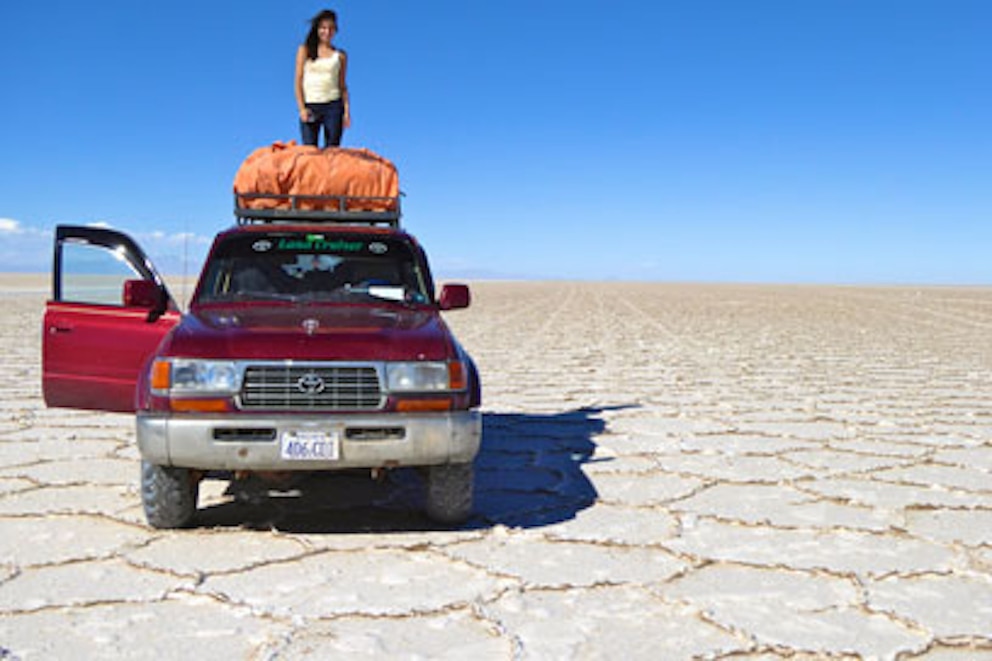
[[326, 115]]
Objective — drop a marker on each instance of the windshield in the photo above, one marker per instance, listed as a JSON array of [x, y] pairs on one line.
[[296, 266]]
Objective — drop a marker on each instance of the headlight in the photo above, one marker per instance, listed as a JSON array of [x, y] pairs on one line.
[[417, 377], [180, 376]]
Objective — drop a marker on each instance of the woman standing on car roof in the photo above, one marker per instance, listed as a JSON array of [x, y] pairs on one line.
[[321, 91]]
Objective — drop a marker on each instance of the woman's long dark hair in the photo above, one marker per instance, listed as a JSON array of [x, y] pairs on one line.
[[312, 39]]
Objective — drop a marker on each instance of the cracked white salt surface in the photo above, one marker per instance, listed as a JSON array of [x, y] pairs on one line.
[[776, 473], [378, 582]]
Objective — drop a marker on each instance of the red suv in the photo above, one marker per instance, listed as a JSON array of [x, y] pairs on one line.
[[313, 342]]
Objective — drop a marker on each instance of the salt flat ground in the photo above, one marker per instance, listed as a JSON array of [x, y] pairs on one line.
[[668, 472]]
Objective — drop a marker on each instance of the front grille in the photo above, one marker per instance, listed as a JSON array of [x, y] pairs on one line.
[[311, 388]]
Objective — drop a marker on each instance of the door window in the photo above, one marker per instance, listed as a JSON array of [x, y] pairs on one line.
[[94, 274]]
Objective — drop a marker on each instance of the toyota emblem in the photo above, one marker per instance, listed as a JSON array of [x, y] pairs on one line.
[[310, 384]]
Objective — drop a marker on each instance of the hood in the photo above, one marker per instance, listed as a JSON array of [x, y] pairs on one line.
[[312, 332]]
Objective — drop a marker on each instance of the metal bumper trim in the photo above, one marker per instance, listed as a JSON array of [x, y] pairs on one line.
[[427, 439]]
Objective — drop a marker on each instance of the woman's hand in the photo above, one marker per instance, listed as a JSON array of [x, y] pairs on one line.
[[306, 115]]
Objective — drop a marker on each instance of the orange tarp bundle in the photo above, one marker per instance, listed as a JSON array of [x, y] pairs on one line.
[[287, 169]]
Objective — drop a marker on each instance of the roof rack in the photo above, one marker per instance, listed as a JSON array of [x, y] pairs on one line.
[[343, 209]]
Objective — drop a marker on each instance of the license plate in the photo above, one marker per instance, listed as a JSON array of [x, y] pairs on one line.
[[309, 446]]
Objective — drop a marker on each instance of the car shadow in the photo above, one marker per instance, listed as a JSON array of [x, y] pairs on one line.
[[528, 474]]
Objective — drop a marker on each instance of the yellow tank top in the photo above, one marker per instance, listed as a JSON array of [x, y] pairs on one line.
[[321, 79]]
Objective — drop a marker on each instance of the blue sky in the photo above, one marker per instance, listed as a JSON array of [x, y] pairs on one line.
[[833, 141]]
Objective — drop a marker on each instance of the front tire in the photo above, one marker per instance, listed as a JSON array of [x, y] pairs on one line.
[[449, 493], [168, 494]]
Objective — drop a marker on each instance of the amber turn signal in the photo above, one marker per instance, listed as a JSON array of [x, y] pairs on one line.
[[161, 375], [200, 405], [422, 405], [456, 375]]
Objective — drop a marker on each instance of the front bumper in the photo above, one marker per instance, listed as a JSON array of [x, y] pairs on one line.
[[251, 442]]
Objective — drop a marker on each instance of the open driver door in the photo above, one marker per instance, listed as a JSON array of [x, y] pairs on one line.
[[108, 313]]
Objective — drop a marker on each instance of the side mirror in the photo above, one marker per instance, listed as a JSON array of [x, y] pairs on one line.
[[454, 297], [141, 294]]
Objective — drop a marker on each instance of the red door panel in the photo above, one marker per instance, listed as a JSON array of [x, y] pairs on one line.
[[92, 355], [94, 346]]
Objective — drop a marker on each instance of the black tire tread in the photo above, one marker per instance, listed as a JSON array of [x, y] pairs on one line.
[[449, 493], [168, 494]]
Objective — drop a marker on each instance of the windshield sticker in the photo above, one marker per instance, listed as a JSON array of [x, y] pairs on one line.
[[261, 246], [317, 243], [378, 248]]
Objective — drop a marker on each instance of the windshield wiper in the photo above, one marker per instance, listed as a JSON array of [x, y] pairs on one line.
[[255, 296]]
